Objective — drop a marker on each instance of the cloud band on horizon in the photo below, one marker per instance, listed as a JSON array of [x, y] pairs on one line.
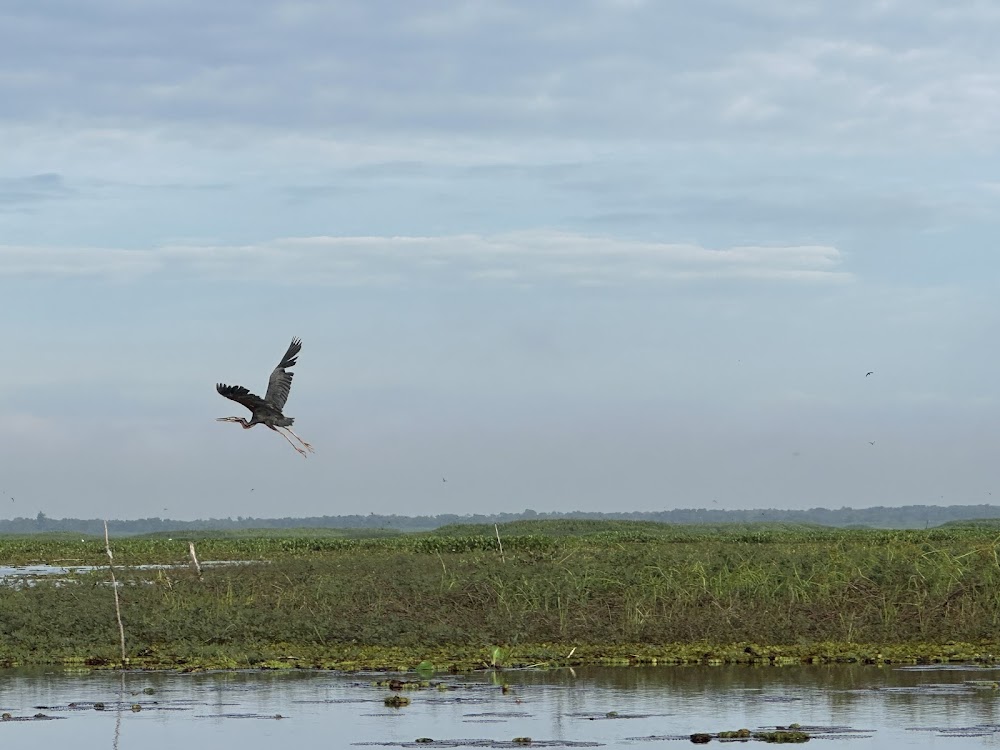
[[521, 257]]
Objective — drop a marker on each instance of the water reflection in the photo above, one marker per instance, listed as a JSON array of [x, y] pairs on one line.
[[21, 573], [613, 707]]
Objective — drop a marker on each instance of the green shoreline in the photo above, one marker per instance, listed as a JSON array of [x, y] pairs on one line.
[[533, 656], [553, 595]]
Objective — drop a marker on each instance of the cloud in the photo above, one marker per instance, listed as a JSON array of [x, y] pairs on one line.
[[515, 257], [32, 189], [809, 77], [85, 262], [823, 211]]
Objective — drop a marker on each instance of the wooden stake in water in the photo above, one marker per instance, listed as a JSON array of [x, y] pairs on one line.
[[114, 586], [194, 559]]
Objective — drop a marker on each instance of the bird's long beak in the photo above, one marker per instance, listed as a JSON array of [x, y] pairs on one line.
[[227, 419]]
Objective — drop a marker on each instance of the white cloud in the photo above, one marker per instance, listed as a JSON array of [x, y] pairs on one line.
[[92, 262], [603, 71], [522, 257]]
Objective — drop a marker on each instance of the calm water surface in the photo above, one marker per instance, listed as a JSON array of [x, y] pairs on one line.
[[610, 707]]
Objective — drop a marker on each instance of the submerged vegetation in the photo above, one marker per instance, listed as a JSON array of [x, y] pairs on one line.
[[561, 593]]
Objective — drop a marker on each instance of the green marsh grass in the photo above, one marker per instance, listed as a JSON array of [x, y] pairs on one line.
[[614, 591]]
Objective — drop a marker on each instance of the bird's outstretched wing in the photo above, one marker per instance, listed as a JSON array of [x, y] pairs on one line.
[[241, 395], [280, 382]]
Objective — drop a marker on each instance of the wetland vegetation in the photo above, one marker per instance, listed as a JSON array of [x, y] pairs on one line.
[[566, 592], [897, 517]]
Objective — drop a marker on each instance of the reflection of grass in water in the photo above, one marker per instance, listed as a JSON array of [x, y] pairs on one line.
[[729, 593]]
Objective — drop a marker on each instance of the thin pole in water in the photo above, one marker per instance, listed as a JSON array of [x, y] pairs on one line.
[[114, 585], [194, 559]]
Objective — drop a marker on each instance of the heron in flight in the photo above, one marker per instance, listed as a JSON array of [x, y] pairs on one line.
[[267, 410]]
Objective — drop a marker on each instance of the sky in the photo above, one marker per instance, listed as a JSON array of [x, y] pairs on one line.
[[599, 255]]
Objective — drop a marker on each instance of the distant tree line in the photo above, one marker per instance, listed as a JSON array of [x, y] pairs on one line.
[[905, 517]]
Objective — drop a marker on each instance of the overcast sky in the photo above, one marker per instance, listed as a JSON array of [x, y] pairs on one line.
[[573, 255]]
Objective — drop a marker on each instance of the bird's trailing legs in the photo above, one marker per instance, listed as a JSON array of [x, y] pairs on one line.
[[246, 426], [289, 441], [306, 445]]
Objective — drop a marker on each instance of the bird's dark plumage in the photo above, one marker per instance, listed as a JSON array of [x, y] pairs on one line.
[[869, 373], [281, 381], [241, 395], [268, 410]]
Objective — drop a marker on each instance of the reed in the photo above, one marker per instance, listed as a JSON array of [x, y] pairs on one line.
[[599, 587]]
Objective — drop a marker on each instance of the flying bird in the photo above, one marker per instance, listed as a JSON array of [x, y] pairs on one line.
[[871, 442], [267, 410], [870, 372]]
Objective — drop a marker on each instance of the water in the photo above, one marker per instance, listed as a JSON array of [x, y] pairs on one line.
[[29, 574], [611, 707]]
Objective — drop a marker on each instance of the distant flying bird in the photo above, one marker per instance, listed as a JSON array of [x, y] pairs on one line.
[[870, 372], [871, 442], [267, 410]]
